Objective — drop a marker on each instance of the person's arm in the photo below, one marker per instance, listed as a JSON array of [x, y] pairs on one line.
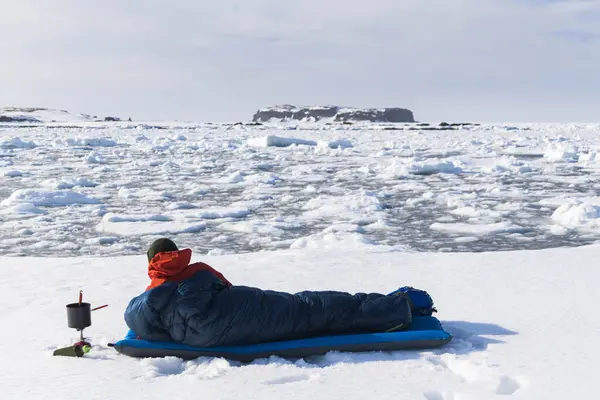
[[142, 316]]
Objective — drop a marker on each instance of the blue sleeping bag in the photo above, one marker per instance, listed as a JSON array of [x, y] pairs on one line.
[[424, 331], [202, 312]]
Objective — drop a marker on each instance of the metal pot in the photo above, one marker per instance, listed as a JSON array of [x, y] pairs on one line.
[[79, 315]]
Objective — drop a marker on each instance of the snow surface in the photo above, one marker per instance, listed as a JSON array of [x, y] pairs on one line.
[[521, 322], [307, 206]]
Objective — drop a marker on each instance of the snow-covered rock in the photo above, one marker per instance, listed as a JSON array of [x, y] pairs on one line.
[[40, 115]]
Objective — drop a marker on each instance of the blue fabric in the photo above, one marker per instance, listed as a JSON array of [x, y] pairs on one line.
[[199, 312], [421, 301], [422, 329]]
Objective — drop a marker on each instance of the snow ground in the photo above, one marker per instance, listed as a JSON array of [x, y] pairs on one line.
[[523, 323]]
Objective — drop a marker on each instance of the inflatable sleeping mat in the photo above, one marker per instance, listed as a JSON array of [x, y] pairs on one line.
[[424, 333]]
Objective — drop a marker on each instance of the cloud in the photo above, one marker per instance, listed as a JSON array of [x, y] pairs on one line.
[[466, 59]]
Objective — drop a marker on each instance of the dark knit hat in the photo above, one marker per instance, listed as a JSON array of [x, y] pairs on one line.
[[160, 245]]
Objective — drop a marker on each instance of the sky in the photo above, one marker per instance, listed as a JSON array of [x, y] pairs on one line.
[[460, 60]]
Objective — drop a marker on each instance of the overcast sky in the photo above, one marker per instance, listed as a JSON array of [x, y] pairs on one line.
[[454, 60]]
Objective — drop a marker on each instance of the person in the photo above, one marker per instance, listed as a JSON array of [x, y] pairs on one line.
[[194, 304]]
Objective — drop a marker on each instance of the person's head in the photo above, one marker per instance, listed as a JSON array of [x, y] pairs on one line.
[[159, 246]]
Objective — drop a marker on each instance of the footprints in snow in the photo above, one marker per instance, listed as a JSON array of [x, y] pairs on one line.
[[292, 379], [209, 368], [470, 376], [507, 385], [475, 378], [463, 368], [201, 368], [435, 395]]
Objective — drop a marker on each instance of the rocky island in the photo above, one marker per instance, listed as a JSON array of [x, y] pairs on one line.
[[332, 114]]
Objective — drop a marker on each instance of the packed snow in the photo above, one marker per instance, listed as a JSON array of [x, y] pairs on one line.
[[521, 323]]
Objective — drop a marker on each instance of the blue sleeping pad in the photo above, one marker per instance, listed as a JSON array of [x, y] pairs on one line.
[[425, 332]]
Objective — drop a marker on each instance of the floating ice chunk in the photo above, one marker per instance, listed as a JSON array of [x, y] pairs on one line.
[[414, 201], [13, 173], [559, 230], [397, 168], [221, 239], [195, 190], [276, 141], [68, 246], [94, 158], [102, 240], [15, 142], [505, 164], [42, 244], [182, 205], [112, 217], [169, 165], [263, 178], [67, 183], [335, 144], [577, 214], [235, 177], [146, 194], [429, 168], [472, 212], [561, 153], [141, 137], [136, 225], [402, 168], [88, 142], [125, 193], [23, 209], [331, 240], [218, 252], [356, 208], [263, 228], [378, 225], [215, 213], [344, 227], [40, 198], [524, 169], [494, 169], [83, 182], [589, 156]]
